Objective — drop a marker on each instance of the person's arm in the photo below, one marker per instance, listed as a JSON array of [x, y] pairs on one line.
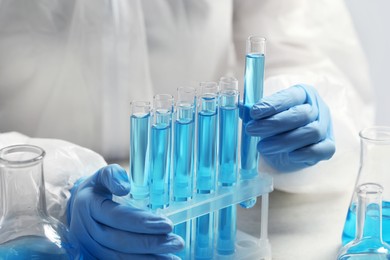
[[312, 43]]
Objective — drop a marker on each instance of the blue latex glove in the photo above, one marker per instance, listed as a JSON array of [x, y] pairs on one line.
[[108, 230], [295, 128]]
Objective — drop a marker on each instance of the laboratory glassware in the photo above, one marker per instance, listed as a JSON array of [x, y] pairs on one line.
[[139, 149], [161, 152], [374, 168], [183, 159], [368, 243], [26, 229], [227, 160], [206, 165], [184, 143], [253, 92]]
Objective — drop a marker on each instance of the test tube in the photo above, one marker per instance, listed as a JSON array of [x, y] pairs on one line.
[[206, 165], [184, 142], [207, 137], [227, 170], [183, 162], [139, 143], [160, 156], [253, 92]]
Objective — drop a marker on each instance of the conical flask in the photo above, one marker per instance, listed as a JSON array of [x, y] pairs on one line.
[[26, 229], [368, 243], [374, 168]]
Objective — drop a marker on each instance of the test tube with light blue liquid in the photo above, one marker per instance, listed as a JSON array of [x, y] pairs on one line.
[[160, 151], [184, 143], [139, 153], [227, 161], [183, 159], [207, 138], [253, 92]]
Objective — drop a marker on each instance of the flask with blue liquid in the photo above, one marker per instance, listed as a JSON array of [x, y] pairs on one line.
[[26, 229]]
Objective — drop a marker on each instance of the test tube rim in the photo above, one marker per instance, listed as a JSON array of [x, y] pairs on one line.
[[255, 39]]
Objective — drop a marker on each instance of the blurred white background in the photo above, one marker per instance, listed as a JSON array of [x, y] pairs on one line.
[[371, 19]]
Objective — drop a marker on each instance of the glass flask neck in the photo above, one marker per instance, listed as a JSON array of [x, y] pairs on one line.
[[22, 192], [369, 212]]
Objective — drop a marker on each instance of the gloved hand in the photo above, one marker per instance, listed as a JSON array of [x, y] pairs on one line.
[[295, 128], [108, 230]]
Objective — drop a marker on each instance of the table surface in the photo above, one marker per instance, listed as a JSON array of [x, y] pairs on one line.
[[301, 226]]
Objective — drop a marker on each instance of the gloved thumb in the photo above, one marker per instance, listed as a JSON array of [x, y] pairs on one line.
[[112, 178]]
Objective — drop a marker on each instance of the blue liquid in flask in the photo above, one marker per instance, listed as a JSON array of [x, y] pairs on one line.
[[139, 138], [35, 247], [160, 165], [349, 231]]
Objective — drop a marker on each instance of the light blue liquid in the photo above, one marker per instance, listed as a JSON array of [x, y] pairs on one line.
[[228, 134], [139, 138], [253, 92], [204, 240], [160, 165], [207, 152], [349, 231], [183, 160], [184, 230], [228, 144], [254, 78], [227, 230], [206, 172], [33, 247]]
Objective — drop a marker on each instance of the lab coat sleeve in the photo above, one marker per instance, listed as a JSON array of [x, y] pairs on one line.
[[63, 165], [313, 42]]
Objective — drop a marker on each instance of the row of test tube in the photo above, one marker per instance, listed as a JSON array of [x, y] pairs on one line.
[[196, 140]]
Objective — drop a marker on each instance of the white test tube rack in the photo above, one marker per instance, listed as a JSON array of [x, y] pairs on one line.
[[248, 247]]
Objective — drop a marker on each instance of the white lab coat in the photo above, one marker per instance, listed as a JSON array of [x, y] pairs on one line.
[[68, 69]]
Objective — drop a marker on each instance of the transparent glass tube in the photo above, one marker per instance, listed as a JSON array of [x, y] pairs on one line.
[[185, 231], [139, 149], [160, 154], [184, 143], [206, 165], [227, 163], [368, 243], [26, 229], [207, 137], [183, 159], [253, 92], [374, 168]]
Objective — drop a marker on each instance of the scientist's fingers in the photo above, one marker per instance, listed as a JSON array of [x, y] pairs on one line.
[[101, 252], [312, 154], [134, 243], [301, 158], [279, 102], [128, 218], [288, 120], [286, 142], [113, 179]]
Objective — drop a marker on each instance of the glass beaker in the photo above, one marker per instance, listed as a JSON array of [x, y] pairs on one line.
[[26, 229], [368, 243], [374, 168]]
